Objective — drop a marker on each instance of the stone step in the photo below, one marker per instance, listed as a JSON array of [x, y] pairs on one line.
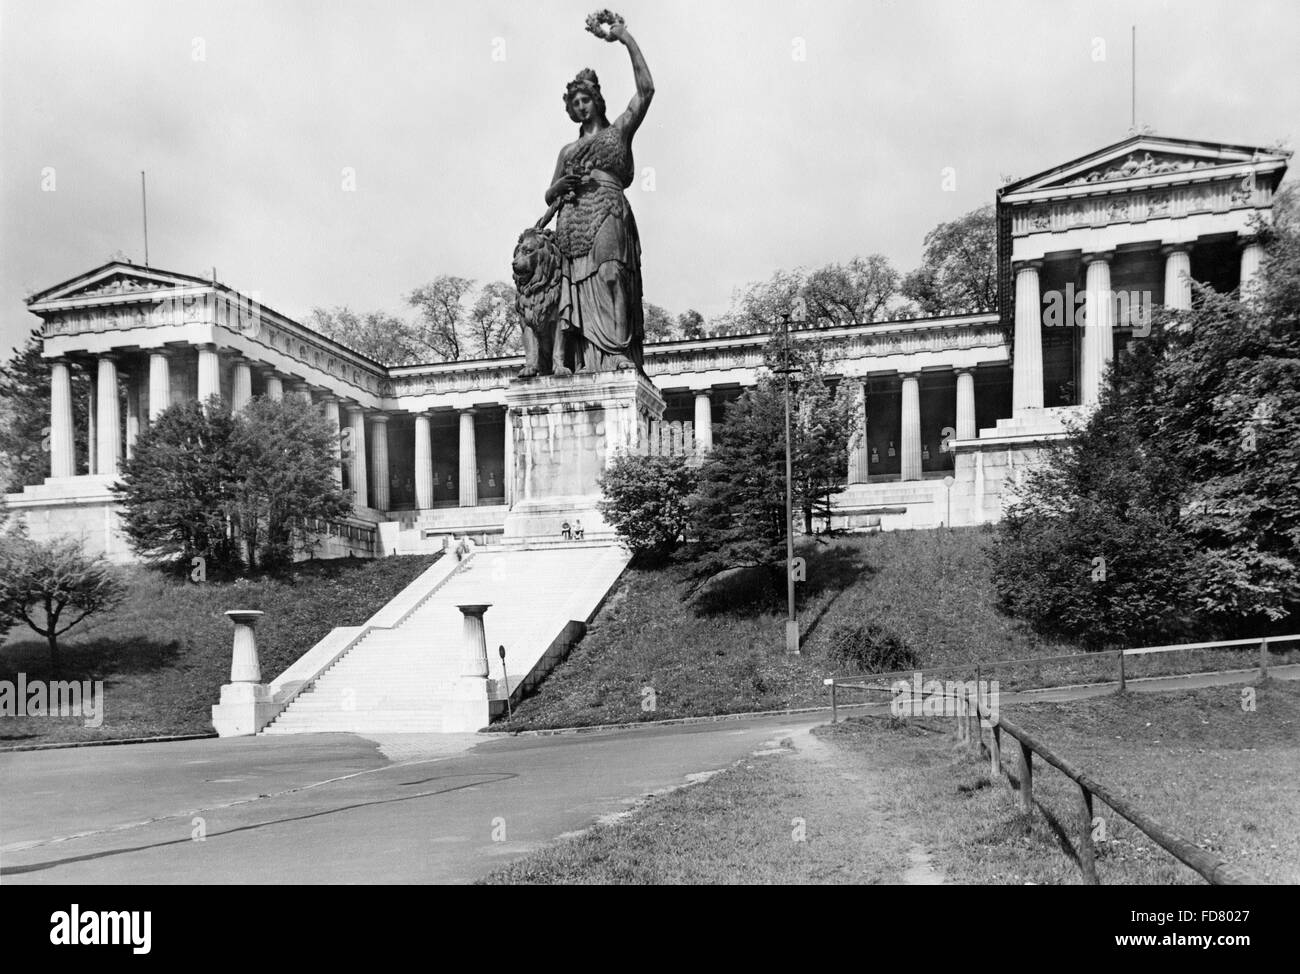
[[409, 677]]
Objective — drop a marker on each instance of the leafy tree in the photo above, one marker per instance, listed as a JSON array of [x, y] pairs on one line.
[[690, 324], [836, 294], [958, 271], [1092, 548], [204, 483], [25, 410], [283, 456], [384, 337], [659, 325], [494, 326], [647, 500], [176, 490], [739, 510], [1184, 482], [858, 291], [52, 586], [441, 328]]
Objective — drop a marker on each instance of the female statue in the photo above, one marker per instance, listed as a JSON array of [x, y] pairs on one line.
[[596, 232]]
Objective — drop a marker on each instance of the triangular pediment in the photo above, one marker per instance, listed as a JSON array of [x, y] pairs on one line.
[[117, 278], [1141, 158]]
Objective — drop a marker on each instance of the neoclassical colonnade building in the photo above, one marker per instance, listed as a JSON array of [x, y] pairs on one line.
[[955, 407]]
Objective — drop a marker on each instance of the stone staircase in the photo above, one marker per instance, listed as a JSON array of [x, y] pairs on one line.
[[407, 678]]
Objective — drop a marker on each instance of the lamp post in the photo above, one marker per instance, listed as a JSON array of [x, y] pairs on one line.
[[792, 621], [947, 483]]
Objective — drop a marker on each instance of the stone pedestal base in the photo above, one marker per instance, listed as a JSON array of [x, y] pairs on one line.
[[565, 431], [467, 708], [245, 708]]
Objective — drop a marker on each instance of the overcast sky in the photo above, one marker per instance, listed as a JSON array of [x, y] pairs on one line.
[[245, 115]]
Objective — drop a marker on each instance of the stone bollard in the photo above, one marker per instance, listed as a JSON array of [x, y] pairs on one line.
[[475, 641], [244, 667], [245, 706]]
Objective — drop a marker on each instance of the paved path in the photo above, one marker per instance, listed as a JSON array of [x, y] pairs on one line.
[[321, 808]]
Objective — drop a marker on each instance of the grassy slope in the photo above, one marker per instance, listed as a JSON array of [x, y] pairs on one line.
[[164, 652], [1194, 761], [1226, 779], [932, 587]]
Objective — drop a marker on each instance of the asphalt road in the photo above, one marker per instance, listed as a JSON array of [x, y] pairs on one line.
[[333, 808]]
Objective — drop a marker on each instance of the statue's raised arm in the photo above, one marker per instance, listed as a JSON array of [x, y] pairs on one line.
[[610, 27]]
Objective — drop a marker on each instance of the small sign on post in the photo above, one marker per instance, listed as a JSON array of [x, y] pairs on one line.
[[505, 680]]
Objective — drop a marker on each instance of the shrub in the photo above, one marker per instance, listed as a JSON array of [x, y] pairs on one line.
[[646, 500], [869, 647]]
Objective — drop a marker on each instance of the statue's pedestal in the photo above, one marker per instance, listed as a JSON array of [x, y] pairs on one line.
[[565, 431]]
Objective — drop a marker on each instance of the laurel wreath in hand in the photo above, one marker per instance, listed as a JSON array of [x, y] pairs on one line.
[[600, 23]]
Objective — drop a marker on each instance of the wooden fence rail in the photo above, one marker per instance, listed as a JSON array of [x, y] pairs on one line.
[[879, 682], [971, 719], [1210, 866]]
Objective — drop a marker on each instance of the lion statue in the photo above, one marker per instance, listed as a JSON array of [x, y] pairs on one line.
[[536, 267]]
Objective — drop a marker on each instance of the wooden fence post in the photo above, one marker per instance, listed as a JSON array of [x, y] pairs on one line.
[[1087, 855], [1026, 779], [995, 752], [1263, 658], [1122, 686], [963, 725]]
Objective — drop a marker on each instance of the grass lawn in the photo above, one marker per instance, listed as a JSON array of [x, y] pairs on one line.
[[797, 818], [1226, 779], [164, 653], [932, 587], [1194, 761]]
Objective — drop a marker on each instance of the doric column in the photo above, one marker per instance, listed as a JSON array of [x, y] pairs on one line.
[[132, 411], [357, 457], [468, 460], [703, 421], [330, 406], [910, 456], [379, 460], [209, 373], [108, 455], [1178, 277], [63, 457], [160, 382], [303, 391], [1098, 329], [859, 449], [965, 404], [423, 461], [1252, 256], [274, 386], [1027, 364], [508, 467], [92, 416], [241, 384]]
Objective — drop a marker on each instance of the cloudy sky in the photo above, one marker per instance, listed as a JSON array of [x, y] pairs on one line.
[[246, 115]]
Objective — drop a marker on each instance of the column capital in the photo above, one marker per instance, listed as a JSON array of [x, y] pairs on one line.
[[1027, 265], [1176, 248], [1092, 257], [963, 370], [379, 416], [1247, 239], [469, 410]]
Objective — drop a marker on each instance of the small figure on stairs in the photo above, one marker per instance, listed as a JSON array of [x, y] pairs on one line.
[[578, 529], [566, 532]]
